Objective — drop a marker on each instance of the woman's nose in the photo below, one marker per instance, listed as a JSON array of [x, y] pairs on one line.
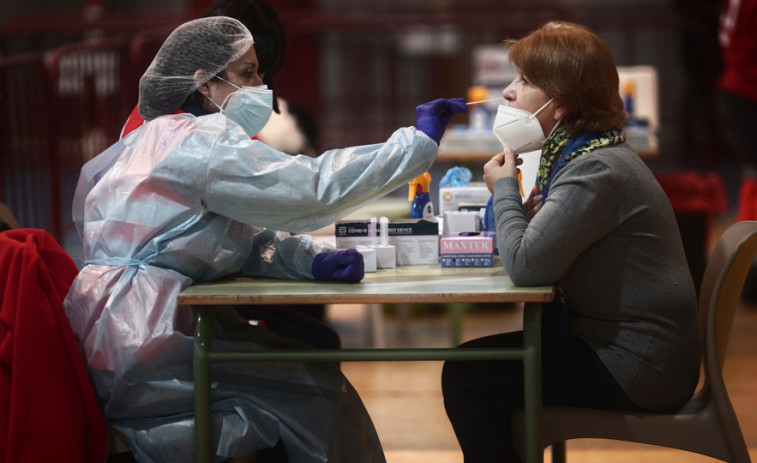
[[508, 94]]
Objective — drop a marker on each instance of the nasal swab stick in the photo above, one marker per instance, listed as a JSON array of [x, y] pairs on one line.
[[484, 101], [372, 231]]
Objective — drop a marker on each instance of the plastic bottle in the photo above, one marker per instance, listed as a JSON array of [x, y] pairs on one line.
[[628, 97], [479, 116], [422, 207], [634, 124], [490, 223]]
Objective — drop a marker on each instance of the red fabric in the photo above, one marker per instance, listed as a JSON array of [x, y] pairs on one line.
[[738, 40], [48, 408], [135, 121], [747, 200], [694, 192]]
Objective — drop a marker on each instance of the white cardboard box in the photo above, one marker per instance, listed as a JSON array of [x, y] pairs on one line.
[[416, 240], [456, 222], [450, 198], [369, 258]]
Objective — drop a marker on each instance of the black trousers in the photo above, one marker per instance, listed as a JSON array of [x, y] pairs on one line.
[[481, 396], [296, 322], [303, 323]]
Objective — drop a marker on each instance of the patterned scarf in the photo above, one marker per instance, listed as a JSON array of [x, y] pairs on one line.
[[561, 148]]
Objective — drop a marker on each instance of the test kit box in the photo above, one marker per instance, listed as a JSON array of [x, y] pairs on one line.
[[467, 251], [369, 258], [453, 198], [416, 240]]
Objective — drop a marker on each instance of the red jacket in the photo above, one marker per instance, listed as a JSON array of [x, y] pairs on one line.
[[135, 121], [48, 408]]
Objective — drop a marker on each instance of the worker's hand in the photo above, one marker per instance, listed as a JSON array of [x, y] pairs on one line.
[[345, 265], [533, 203], [432, 118], [502, 165]]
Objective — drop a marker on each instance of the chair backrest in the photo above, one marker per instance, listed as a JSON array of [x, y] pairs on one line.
[[720, 293]]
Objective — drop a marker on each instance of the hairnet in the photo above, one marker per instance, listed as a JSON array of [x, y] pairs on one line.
[[207, 44]]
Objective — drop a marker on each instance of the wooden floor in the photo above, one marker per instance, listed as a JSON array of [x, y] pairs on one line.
[[405, 402]]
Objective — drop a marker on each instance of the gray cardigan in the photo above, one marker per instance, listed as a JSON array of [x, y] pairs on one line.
[[607, 235]]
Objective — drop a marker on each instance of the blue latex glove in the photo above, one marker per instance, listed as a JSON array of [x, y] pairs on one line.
[[456, 177], [432, 118], [345, 265]]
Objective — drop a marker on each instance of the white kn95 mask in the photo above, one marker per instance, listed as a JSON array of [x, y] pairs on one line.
[[518, 129]]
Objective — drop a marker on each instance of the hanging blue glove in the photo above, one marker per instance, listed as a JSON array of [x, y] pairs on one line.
[[345, 265], [432, 118]]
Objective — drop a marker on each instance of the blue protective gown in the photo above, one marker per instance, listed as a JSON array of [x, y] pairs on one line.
[[174, 202]]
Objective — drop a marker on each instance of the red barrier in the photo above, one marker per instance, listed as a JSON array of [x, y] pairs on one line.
[[692, 191]]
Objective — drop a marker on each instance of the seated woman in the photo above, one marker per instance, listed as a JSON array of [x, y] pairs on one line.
[[622, 334], [174, 202]]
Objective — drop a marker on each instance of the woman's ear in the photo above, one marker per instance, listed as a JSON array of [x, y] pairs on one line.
[[202, 76], [560, 112]]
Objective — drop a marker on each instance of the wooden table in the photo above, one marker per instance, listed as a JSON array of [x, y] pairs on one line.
[[405, 284]]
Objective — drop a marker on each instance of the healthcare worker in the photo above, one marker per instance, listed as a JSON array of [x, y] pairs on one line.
[[172, 203], [302, 322]]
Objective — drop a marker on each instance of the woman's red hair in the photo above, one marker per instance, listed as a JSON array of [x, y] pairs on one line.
[[573, 65]]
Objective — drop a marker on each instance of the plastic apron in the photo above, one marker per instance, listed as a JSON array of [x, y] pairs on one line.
[[173, 203]]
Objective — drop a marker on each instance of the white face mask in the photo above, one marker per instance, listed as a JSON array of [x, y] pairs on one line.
[[518, 129], [250, 107]]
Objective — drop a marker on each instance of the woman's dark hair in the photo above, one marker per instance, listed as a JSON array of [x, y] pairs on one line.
[[266, 29], [573, 65]]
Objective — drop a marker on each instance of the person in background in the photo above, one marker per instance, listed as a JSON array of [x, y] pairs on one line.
[[622, 332], [293, 130], [738, 105], [270, 46], [174, 202], [305, 323], [270, 43]]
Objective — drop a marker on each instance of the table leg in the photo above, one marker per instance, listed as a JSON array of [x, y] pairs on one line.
[[376, 321], [532, 382], [456, 310], [558, 452], [204, 452]]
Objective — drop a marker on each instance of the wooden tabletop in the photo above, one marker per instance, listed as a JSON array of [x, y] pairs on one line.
[[404, 284]]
